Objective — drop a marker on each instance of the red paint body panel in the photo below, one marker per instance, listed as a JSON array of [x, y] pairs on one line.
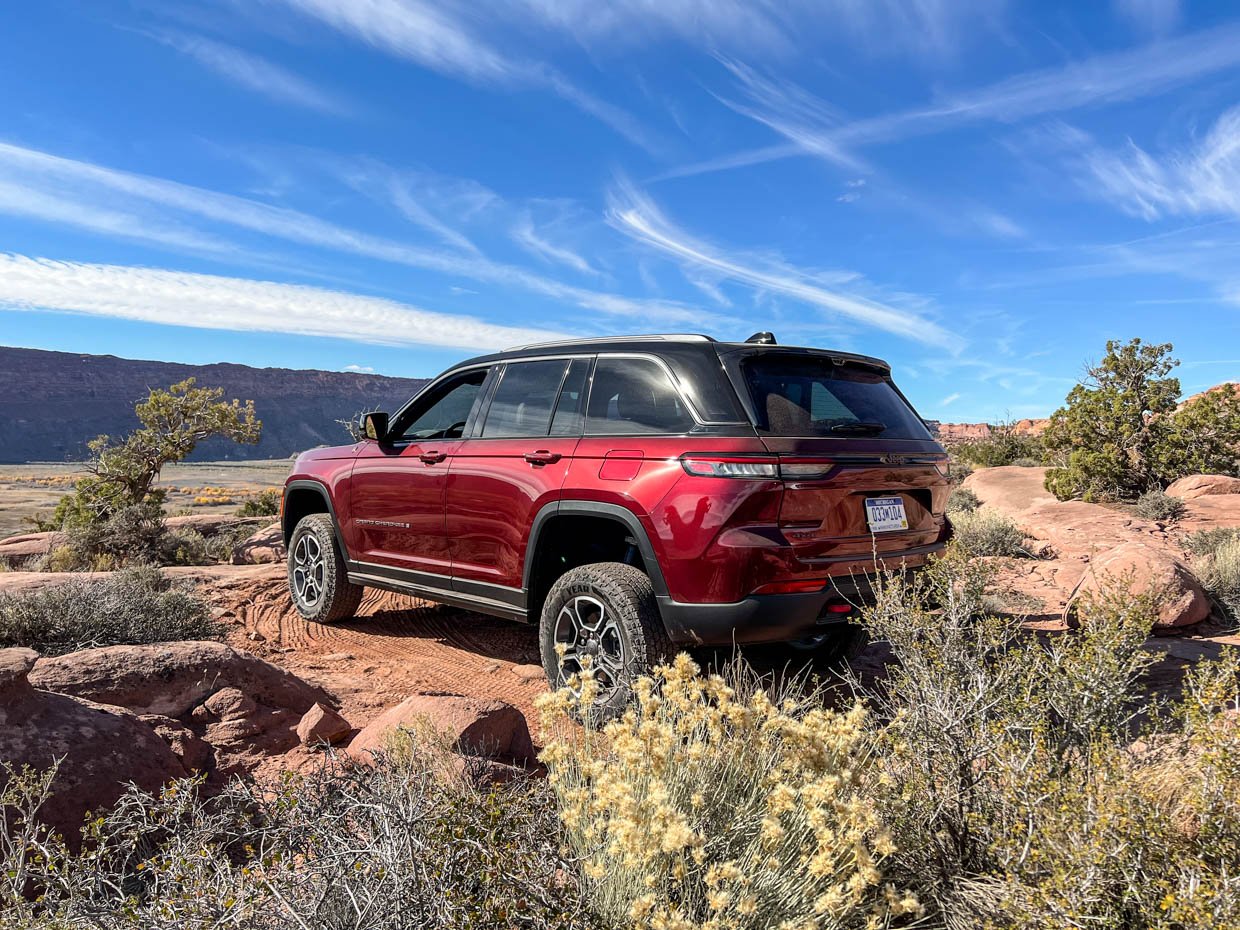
[[396, 516], [493, 494]]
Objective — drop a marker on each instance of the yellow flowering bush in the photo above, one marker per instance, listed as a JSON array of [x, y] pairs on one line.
[[712, 803]]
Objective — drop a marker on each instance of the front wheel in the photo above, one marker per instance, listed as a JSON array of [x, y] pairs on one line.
[[317, 579], [602, 616]]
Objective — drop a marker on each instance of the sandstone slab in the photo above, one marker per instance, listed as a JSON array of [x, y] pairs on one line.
[[1009, 488], [171, 678], [30, 545], [100, 749], [1192, 487]]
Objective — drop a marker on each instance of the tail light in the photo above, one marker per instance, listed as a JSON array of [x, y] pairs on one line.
[[730, 466]]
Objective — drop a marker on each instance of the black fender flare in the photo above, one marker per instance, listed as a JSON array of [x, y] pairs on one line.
[[318, 487], [595, 509]]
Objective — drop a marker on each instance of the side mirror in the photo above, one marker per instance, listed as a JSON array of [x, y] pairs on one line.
[[373, 425]]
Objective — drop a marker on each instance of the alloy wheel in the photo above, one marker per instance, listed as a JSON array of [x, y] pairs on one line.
[[308, 570], [586, 635]]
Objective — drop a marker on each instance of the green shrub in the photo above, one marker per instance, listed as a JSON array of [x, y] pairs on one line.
[[963, 500], [264, 504], [987, 532], [131, 607], [1013, 792], [1122, 432], [1159, 506], [400, 845], [1026, 463]]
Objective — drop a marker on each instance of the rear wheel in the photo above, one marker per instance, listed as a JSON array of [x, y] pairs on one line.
[[602, 616], [317, 578]]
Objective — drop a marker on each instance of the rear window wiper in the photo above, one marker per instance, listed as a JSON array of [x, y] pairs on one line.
[[858, 428]]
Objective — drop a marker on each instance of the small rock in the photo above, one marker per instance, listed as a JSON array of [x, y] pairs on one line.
[[321, 724], [528, 672], [339, 657], [256, 637], [230, 704]]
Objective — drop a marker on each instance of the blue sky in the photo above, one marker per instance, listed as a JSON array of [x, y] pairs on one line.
[[981, 192]]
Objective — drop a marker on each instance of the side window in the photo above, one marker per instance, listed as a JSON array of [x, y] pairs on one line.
[[443, 414], [523, 401], [570, 415], [634, 395]]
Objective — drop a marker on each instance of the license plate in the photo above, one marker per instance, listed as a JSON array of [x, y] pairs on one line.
[[885, 514]]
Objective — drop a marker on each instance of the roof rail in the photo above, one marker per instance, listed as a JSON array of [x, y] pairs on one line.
[[667, 337]]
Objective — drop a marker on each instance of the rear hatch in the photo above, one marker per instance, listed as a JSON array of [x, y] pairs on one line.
[[862, 474]]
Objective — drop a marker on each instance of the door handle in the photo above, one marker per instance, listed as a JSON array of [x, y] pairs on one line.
[[433, 458], [542, 457]]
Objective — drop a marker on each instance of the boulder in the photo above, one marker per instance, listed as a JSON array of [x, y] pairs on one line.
[[171, 678], [100, 749], [473, 727], [30, 545], [1145, 569], [321, 724], [267, 545], [1010, 489], [1193, 486]]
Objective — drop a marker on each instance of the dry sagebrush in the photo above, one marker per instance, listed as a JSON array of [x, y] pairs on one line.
[[396, 846], [713, 804], [1021, 787]]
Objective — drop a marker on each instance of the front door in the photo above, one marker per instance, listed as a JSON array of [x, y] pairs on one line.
[[512, 466], [398, 486]]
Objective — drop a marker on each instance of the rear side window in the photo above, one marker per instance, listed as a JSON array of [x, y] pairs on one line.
[[632, 396], [798, 396], [524, 399], [570, 409]]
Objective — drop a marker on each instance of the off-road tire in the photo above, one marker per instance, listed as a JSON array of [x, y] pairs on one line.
[[337, 598], [626, 592]]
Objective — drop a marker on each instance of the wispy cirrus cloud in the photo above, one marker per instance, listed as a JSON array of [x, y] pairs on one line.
[[179, 298], [811, 129], [255, 73], [95, 187], [529, 238], [435, 36], [1202, 179], [1157, 17], [636, 215]]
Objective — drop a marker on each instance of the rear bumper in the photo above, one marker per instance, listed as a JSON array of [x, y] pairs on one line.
[[766, 618]]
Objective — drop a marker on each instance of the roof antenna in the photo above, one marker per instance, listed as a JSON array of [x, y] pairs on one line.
[[762, 339]]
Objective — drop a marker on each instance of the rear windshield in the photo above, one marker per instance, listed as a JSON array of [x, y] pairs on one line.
[[815, 397]]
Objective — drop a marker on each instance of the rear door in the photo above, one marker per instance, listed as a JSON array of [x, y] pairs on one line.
[[514, 463], [397, 488], [862, 473]]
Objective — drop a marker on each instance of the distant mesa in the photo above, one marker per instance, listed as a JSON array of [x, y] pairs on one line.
[[53, 403], [962, 432]]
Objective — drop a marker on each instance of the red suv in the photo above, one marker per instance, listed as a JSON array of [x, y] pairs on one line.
[[629, 495]]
